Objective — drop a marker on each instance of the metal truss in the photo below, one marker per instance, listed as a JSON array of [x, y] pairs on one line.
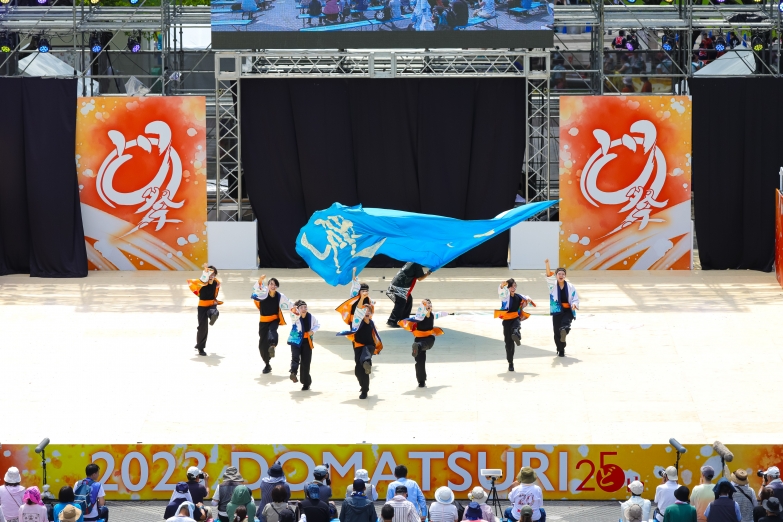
[[536, 169]]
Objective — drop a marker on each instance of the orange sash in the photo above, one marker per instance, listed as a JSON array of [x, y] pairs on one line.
[[506, 315], [426, 333]]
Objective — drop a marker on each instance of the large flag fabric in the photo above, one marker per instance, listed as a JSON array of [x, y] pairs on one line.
[[337, 240]]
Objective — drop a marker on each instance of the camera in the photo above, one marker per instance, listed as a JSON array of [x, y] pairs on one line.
[[761, 474], [201, 475], [492, 474], [661, 473]]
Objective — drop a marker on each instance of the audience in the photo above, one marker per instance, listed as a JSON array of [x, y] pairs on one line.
[[357, 507], [198, 492], [702, 495], [387, 513], [473, 512], [32, 508], [526, 514], [759, 511], [224, 491], [274, 477], [241, 497], [404, 510], [93, 494], [773, 510], [523, 491], [680, 510], [486, 9], [321, 476], [634, 514], [745, 496], [479, 496], [271, 512], [636, 488], [414, 491], [185, 513], [771, 479], [65, 498], [11, 494], [723, 508], [461, 12], [361, 474], [443, 509], [331, 10], [664, 494], [312, 507], [70, 513], [181, 494]]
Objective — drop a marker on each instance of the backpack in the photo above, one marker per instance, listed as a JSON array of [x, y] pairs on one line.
[[83, 496]]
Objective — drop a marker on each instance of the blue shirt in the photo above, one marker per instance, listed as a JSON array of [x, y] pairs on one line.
[[60, 506], [414, 494]]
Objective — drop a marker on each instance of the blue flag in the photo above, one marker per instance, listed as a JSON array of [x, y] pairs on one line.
[[337, 240]]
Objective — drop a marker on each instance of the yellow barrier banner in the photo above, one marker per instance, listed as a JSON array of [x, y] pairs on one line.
[[584, 472]]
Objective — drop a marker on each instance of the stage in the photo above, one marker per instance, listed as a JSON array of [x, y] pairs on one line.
[[692, 355]]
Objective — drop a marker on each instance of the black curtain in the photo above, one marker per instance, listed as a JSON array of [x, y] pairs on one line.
[[41, 229], [451, 147], [737, 154]]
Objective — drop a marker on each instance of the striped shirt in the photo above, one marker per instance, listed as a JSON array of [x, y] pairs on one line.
[[404, 510], [443, 512]]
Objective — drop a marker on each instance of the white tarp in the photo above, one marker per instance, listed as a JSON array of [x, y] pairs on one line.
[[192, 37], [46, 64], [737, 62]]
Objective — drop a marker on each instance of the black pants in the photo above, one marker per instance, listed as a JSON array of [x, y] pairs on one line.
[[203, 326], [361, 354], [561, 320], [510, 327], [302, 354], [402, 309], [425, 343], [267, 336], [221, 518]]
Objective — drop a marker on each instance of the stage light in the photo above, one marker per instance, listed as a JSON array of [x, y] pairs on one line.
[[95, 2], [43, 2], [5, 44], [631, 1], [95, 43], [133, 44], [780, 6], [133, 2], [43, 45], [757, 44], [720, 44], [666, 47], [5, 2]]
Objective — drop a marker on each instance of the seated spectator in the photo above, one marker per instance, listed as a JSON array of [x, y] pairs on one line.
[[97, 496], [357, 507], [387, 513], [664, 494], [287, 515], [181, 494], [414, 491], [443, 509], [773, 508], [404, 510], [275, 476], [312, 507], [69, 513], [372, 493], [271, 512], [634, 514], [331, 10], [628, 84], [360, 5], [206, 514], [321, 476], [333, 513], [65, 498], [636, 488], [198, 491], [646, 84], [702, 495], [396, 8], [745, 496], [473, 512], [223, 492], [185, 513], [11, 494], [486, 9], [723, 508], [240, 514], [759, 512], [479, 496], [314, 8], [526, 514], [523, 491], [32, 508], [461, 12], [241, 497], [680, 510]]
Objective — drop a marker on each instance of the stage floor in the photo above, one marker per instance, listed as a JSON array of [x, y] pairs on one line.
[[692, 355]]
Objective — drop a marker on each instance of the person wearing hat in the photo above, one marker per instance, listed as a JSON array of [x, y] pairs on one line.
[[32, 508], [759, 511], [664, 494], [313, 507], [357, 507], [680, 510], [69, 513], [66, 498], [771, 479], [634, 513], [11, 494], [479, 496], [321, 476], [443, 509], [224, 491], [414, 491], [404, 510], [241, 496], [473, 512], [773, 509], [563, 304], [275, 476], [185, 513], [723, 508], [526, 493], [702, 495], [180, 494], [198, 492], [745, 496], [362, 474], [636, 489]]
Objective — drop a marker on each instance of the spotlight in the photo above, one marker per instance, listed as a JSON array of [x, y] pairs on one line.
[[133, 2], [95, 2], [780, 6], [631, 1], [5, 44], [757, 44], [5, 2], [43, 2], [668, 43], [720, 44], [95, 44], [133, 44], [43, 45]]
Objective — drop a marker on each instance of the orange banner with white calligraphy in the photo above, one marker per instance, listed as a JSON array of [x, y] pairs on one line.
[[625, 182], [151, 471], [142, 166]]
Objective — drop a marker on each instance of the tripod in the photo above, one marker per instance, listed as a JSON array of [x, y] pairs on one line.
[[494, 501]]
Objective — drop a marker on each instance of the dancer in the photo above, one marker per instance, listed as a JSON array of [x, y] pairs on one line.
[[424, 333], [301, 342], [271, 304], [360, 296], [366, 343], [206, 288], [512, 312], [563, 304], [400, 291]]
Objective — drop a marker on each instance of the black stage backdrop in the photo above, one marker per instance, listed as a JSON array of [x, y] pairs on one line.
[[451, 147], [737, 151], [41, 229]]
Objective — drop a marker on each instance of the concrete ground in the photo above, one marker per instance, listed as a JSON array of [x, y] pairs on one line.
[[649, 355]]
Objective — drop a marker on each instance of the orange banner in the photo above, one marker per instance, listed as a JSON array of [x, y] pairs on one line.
[[779, 237], [588, 472], [142, 168], [625, 182]]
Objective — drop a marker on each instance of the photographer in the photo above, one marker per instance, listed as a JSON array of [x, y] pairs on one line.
[[197, 490], [664, 494], [321, 476], [771, 479]]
